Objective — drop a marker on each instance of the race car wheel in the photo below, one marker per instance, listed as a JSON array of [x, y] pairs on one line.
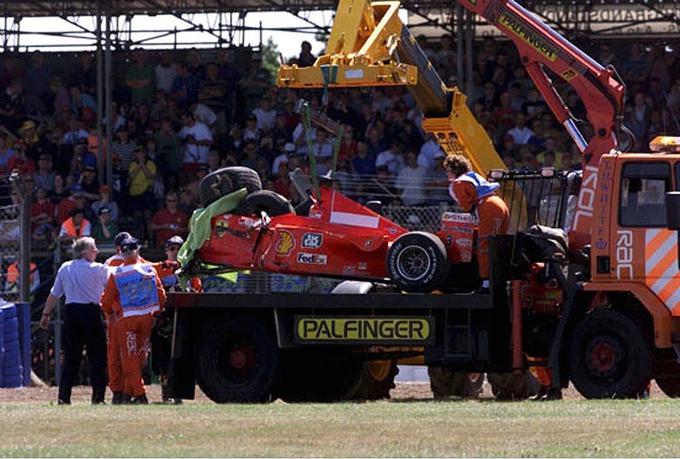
[[227, 180], [417, 262], [264, 201], [447, 383], [236, 362]]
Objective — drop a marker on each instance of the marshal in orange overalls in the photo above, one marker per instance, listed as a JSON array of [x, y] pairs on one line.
[[133, 295], [470, 189]]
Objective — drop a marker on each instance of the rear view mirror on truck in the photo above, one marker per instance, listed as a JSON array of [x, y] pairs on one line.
[[673, 210]]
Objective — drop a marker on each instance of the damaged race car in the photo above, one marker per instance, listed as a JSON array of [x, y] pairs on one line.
[[328, 234]]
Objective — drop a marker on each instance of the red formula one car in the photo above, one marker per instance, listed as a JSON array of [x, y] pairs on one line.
[[329, 235]]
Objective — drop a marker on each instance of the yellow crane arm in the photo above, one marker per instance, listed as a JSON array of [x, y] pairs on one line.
[[369, 45]]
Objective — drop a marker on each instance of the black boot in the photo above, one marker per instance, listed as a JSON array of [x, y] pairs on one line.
[[118, 398], [141, 400], [98, 395]]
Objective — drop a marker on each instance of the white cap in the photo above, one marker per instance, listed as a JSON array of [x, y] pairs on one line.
[[289, 147]]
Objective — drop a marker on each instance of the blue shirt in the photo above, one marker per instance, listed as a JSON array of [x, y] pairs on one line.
[[81, 281]]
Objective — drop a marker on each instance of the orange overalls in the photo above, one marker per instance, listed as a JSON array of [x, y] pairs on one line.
[[115, 366], [133, 295], [469, 189]]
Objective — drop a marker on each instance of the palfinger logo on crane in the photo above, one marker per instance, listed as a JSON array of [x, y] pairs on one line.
[[527, 36], [662, 275], [348, 330]]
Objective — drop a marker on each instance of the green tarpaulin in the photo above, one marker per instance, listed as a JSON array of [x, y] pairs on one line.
[[199, 227]]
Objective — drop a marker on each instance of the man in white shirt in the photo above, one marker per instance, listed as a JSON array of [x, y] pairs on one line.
[[392, 158], [197, 138], [428, 152], [322, 147], [82, 281], [411, 182], [521, 133], [165, 73], [288, 150], [265, 114]]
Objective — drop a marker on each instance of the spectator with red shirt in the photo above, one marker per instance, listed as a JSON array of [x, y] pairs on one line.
[[42, 216], [6, 154], [169, 221], [20, 161]]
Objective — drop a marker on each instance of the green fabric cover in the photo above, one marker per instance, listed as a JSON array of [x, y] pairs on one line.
[[200, 229]]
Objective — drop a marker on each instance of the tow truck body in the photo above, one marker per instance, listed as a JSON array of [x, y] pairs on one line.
[[599, 308]]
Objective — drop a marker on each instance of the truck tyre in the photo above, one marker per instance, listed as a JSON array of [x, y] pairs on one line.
[[236, 362], [509, 386], [610, 356], [375, 380], [446, 383], [417, 262], [264, 201], [227, 180]]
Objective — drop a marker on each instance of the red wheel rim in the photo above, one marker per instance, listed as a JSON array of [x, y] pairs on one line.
[[603, 356]]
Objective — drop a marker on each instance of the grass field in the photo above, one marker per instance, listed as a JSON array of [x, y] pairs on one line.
[[403, 427]]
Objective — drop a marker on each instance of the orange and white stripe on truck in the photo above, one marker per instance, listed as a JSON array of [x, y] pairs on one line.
[[662, 275]]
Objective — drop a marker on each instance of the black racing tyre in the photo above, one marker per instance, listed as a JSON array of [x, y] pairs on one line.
[[510, 386], [236, 362], [446, 383], [227, 180], [417, 262], [315, 376], [610, 356], [264, 201]]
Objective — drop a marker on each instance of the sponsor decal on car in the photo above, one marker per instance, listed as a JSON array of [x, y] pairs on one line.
[[312, 258], [285, 244], [350, 330], [363, 266], [312, 240], [221, 227]]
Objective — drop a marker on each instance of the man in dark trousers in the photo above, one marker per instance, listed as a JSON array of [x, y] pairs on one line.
[[82, 281]]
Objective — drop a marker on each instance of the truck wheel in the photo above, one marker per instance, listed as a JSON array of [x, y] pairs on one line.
[[375, 380], [236, 362], [446, 383], [417, 262], [610, 356], [509, 386], [264, 201], [227, 180]]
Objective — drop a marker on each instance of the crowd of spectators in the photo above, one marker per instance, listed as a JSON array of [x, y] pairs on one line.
[[179, 116]]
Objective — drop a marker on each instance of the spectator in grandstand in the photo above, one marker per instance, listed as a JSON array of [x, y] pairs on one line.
[[428, 151], [90, 183], [282, 182], [380, 188], [20, 161], [85, 73], [82, 281], [169, 221], [12, 104], [437, 181], [392, 158], [251, 132], [411, 182], [283, 157], [265, 115], [37, 77], [250, 155], [105, 229], [42, 216], [59, 191], [76, 132], [520, 133], [213, 161], [212, 91], [141, 177], [638, 119], [164, 73], [139, 78], [634, 67], [255, 83], [6, 154], [322, 146], [197, 141], [76, 226], [169, 153], [80, 102], [104, 200], [185, 87]]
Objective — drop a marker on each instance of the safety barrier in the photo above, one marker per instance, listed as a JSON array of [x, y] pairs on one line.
[[15, 345]]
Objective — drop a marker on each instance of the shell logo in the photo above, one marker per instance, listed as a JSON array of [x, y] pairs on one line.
[[285, 244]]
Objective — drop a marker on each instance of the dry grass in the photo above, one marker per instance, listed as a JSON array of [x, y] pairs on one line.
[[403, 427]]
